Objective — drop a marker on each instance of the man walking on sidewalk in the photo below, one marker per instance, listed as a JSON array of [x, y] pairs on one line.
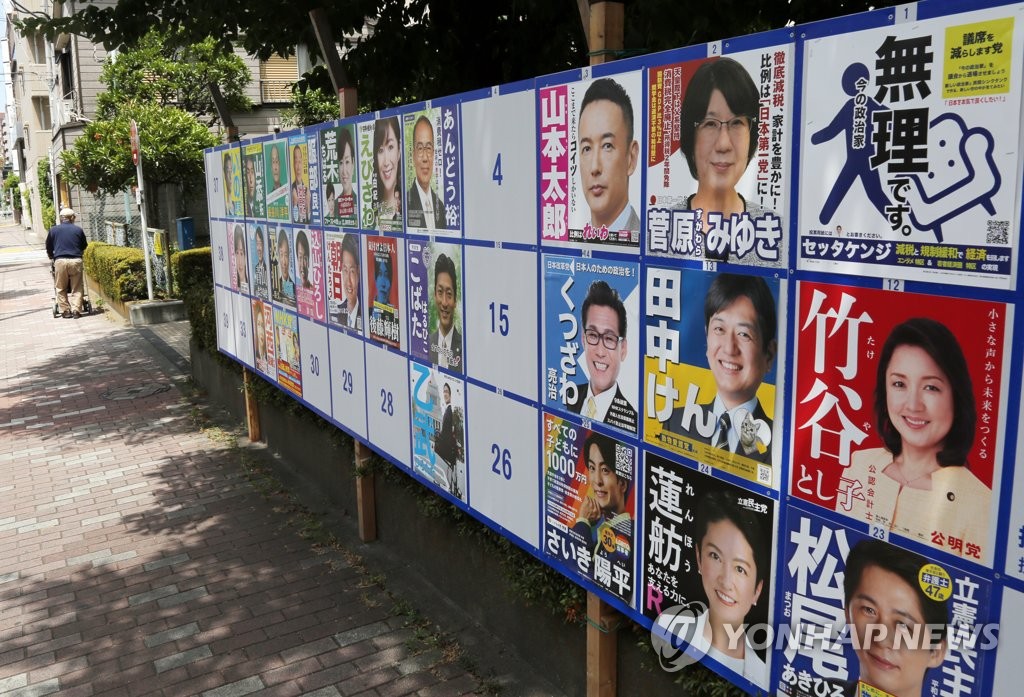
[[65, 244]]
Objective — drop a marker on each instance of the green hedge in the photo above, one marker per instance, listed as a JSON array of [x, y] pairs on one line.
[[192, 271], [119, 271]]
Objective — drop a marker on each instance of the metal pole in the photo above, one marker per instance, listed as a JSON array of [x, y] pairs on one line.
[[145, 233]]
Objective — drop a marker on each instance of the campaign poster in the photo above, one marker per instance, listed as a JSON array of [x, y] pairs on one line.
[[589, 135], [253, 181], [300, 195], [435, 300], [238, 262], [590, 504], [344, 281], [276, 164], [263, 338], [289, 359], [433, 204], [911, 140], [864, 617], [898, 412], [339, 163], [310, 294], [707, 568], [259, 259], [711, 367], [438, 428], [1015, 539], [380, 174], [282, 265], [381, 279], [718, 144], [591, 360], [231, 162]]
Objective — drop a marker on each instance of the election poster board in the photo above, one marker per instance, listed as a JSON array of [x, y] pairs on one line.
[[718, 164], [834, 363], [912, 130]]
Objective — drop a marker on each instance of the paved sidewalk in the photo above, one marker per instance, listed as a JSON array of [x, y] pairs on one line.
[[135, 555]]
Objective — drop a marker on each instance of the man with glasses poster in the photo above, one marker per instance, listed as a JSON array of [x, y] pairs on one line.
[[605, 347], [425, 208]]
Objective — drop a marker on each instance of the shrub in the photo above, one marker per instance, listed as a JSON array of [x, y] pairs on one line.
[[120, 272], [193, 274]]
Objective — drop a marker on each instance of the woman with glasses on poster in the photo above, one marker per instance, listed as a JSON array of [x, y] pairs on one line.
[[718, 138], [919, 485]]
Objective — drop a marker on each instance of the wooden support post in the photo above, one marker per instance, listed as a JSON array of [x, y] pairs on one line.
[[602, 648], [606, 30], [252, 408], [366, 503]]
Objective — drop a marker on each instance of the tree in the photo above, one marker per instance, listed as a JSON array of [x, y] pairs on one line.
[[171, 142], [423, 49], [313, 100], [159, 70]]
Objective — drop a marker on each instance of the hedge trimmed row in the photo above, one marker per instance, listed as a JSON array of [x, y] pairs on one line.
[[119, 271], [193, 274]]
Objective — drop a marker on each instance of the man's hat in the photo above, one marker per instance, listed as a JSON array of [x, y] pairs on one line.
[[67, 213]]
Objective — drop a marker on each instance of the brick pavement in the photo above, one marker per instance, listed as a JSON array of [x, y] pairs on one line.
[[136, 558]]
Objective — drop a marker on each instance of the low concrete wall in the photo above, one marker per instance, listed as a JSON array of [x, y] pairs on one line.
[[320, 468]]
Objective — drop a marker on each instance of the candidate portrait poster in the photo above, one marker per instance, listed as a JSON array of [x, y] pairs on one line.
[[839, 586], [711, 368], [438, 428], [232, 168], [259, 259], [310, 294], [276, 165], [383, 292], [899, 407], [263, 338], [253, 181], [344, 281], [718, 144], [707, 564], [433, 202], [339, 163], [435, 303], [910, 133], [289, 358], [282, 263], [300, 195], [589, 143], [591, 362], [381, 174], [590, 505], [238, 261]]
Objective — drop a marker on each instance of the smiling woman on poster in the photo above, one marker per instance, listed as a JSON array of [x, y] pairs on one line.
[[718, 138], [387, 169], [919, 484], [732, 560]]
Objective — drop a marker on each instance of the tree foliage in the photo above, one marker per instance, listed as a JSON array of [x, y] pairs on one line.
[[160, 70], [313, 101], [423, 49], [171, 144]]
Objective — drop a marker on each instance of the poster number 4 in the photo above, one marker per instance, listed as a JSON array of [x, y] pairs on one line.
[[496, 174]]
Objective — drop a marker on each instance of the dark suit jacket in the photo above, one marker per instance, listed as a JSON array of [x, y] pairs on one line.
[[415, 209], [445, 447], [621, 413], [455, 359], [675, 425]]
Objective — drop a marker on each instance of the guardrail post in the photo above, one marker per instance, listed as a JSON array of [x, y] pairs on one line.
[[366, 502], [602, 647]]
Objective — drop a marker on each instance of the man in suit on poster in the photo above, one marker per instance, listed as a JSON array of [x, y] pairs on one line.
[[425, 208], [446, 341], [604, 333], [740, 328]]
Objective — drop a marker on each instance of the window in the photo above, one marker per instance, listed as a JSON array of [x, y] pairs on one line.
[[277, 75], [41, 105], [38, 46]]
